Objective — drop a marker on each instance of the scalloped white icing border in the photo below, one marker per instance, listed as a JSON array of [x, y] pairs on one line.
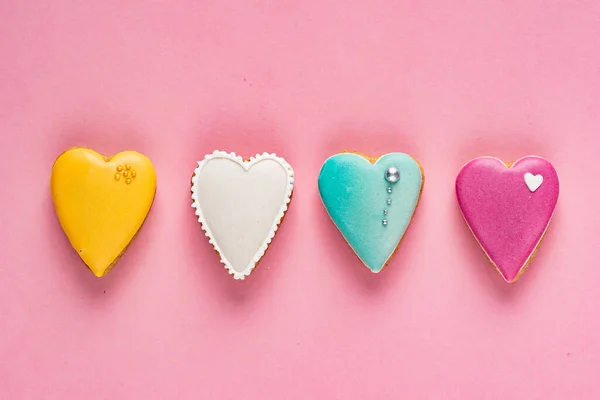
[[246, 165]]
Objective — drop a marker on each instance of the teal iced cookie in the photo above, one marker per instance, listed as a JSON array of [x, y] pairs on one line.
[[371, 203]]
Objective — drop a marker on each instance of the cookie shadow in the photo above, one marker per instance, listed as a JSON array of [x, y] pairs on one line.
[[246, 138], [370, 140], [108, 135], [507, 146]]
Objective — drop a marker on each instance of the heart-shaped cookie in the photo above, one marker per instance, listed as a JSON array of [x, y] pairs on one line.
[[533, 182], [371, 201], [508, 208], [240, 205], [101, 202]]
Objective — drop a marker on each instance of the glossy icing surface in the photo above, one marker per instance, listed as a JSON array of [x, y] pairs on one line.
[[371, 212], [508, 209], [101, 202], [240, 205]]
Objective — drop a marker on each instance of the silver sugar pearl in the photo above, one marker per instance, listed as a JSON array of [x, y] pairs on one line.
[[390, 189], [384, 212], [384, 222], [392, 175], [389, 201]]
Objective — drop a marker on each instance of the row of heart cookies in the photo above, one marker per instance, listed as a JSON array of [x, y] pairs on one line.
[[102, 202]]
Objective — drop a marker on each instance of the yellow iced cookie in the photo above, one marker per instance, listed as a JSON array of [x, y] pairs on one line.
[[101, 202]]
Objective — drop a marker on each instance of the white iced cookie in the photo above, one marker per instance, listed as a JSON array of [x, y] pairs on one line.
[[240, 205]]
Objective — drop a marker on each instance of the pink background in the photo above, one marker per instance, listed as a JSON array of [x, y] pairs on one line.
[[444, 81]]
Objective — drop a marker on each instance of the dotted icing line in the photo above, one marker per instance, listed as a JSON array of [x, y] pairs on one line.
[[392, 175]]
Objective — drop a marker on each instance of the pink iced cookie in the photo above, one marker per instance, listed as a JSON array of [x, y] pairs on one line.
[[508, 208]]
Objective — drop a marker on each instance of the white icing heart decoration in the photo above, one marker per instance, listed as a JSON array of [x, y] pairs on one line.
[[240, 205], [533, 182]]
